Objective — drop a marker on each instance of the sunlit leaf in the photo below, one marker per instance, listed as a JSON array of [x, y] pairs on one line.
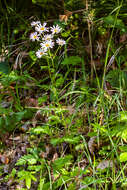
[[123, 157]]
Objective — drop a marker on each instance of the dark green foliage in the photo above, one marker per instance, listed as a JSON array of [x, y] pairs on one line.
[[4, 67], [10, 121], [74, 100]]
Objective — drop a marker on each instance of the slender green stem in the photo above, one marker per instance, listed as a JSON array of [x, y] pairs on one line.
[[49, 69], [109, 44]]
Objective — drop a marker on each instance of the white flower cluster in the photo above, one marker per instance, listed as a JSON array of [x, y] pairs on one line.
[[45, 36]]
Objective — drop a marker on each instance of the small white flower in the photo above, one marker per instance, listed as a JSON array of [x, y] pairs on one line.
[[41, 28], [47, 44], [34, 36], [48, 37], [55, 29], [35, 23], [60, 42], [41, 52]]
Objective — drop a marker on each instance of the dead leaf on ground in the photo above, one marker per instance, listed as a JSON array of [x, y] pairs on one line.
[[105, 164], [123, 38], [4, 159], [55, 156], [31, 102], [92, 145]]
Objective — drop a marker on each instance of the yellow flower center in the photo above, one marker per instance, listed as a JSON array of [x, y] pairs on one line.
[[35, 36], [42, 28], [47, 45], [55, 30]]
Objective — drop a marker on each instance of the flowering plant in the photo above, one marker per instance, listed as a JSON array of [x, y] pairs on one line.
[[48, 40], [46, 36]]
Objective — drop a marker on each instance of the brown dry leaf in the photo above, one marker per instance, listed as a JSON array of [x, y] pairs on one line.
[[15, 138], [92, 145], [123, 38], [55, 156], [18, 61], [38, 116], [63, 18], [105, 164], [3, 55], [101, 119], [82, 164], [66, 15], [71, 109], [4, 159], [31, 102], [1, 86], [47, 153], [24, 127], [43, 155]]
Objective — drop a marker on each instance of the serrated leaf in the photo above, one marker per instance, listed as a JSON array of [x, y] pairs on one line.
[[41, 129], [60, 162], [26, 158]]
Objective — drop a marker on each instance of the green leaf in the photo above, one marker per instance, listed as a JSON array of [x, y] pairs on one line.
[[123, 117], [65, 34], [28, 182], [123, 148], [111, 20], [59, 81], [26, 158], [60, 162], [4, 67], [41, 129], [72, 60], [123, 157], [42, 99], [32, 55], [56, 141], [71, 140]]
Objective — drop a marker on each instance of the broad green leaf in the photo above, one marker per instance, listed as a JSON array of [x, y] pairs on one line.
[[72, 60], [123, 148], [123, 157], [56, 141], [123, 117], [65, 34]]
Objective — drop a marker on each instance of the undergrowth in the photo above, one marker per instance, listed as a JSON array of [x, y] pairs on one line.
[[63, 118]]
